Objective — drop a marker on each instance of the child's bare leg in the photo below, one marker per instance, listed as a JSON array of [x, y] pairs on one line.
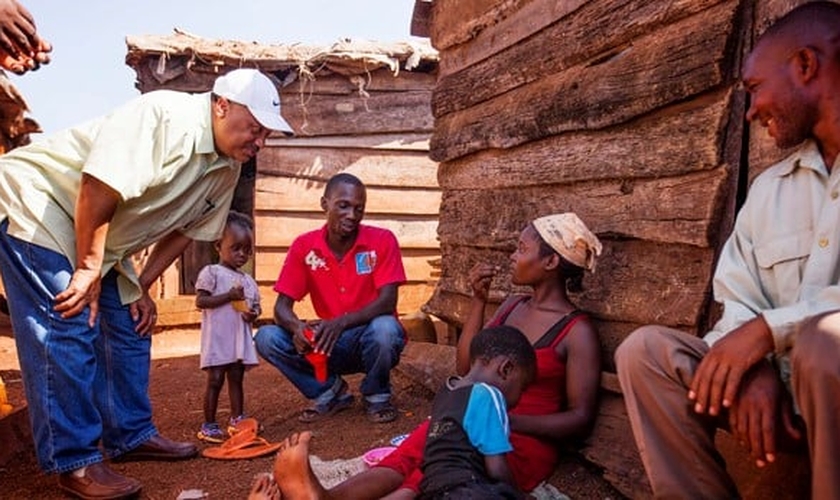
[[235, 374], [215, 381], [297, 481], [371, 484], [264, 488]]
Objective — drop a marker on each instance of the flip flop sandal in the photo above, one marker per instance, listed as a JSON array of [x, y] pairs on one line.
[[381, 413], [245, 444], [318, 412], [242, 450]]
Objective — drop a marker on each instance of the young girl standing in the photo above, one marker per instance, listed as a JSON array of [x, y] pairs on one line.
[[230, 303]]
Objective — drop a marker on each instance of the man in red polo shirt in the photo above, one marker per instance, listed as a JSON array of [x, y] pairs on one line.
[[351, 272]]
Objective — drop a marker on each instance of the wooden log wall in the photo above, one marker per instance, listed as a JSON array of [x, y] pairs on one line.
[[376, 126], [620, 110], [626, 112]]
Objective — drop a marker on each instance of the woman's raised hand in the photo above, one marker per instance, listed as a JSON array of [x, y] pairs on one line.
[[480, 277]]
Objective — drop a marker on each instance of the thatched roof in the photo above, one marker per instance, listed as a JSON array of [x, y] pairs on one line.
[[179, 53], [15, 127]]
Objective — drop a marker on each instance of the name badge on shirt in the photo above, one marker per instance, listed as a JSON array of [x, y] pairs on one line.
[[365, 262]]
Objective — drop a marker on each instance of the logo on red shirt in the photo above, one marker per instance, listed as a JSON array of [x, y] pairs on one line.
[[315, 262], [365, 262]]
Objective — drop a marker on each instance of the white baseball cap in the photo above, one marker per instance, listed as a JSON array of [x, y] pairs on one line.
[[254, 90]]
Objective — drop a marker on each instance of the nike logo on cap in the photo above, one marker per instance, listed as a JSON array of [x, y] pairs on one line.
[[275, 103]]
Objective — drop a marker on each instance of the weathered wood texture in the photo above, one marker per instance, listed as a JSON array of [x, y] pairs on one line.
[[679, 61], [611, 446], [457, 21], [376, 168], [636, 282], [374, 113], [421, 18], [668, 210], [513, 29], [583, 35], [645, 147], [381, 80]]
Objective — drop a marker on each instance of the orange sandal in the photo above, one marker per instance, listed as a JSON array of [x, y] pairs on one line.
[[243, 445]]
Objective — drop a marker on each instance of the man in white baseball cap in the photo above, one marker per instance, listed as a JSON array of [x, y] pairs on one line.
[[254, 90], [74, 207]]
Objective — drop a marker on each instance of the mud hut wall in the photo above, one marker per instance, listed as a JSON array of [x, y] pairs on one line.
[[621, 111], [376, 126]]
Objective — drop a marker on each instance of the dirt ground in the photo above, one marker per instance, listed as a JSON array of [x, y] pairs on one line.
[[177, 388]]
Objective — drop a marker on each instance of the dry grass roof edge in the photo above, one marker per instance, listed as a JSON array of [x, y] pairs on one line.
[[347, 57]]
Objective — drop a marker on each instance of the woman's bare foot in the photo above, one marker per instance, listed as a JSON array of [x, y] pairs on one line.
[[292, 472], [264, 488]]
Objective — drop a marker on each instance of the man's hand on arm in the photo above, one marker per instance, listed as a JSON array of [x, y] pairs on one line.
[[755, 413], [96, 204], [719, 374]]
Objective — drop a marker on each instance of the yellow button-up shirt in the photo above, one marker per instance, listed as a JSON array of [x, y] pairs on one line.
[[783, 258], [156, 151]]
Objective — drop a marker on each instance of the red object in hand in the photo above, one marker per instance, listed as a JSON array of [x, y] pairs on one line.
[[318, 360]]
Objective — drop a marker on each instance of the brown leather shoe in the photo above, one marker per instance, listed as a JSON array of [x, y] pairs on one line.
[[159, 448], [99, 483]]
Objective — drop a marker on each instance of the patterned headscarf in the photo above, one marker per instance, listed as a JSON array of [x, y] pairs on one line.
[[570, 237]]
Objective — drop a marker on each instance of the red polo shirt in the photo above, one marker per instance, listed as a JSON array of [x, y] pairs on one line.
[[339, 287]]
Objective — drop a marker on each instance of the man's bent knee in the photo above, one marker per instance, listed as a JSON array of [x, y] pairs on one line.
[[636, 347], [269, 338], [386, 330]]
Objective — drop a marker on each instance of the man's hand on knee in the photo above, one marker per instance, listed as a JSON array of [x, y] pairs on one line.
[[327, 333], [761, 405], [717, 378]]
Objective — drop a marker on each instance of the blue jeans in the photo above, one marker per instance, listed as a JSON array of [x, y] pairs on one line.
[[83, 385], [372, 349]]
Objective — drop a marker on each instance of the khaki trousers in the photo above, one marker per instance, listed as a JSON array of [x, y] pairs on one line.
[[655, 367]]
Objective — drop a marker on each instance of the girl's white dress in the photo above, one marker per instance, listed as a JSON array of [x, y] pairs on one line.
[[225, 335]]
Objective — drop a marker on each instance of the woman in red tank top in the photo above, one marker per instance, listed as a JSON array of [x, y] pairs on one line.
[[560, 406]]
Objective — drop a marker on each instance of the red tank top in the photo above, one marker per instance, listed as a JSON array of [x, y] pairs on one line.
[[532, 460]]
